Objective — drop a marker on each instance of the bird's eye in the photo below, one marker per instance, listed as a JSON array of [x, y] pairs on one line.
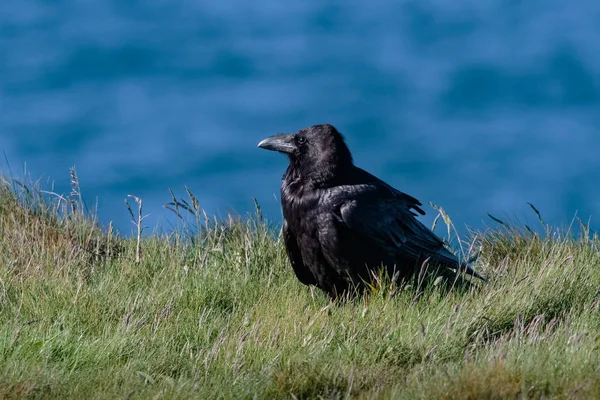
[[301, 140]]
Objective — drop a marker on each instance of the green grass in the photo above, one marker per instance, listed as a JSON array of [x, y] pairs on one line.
[[220, 314]]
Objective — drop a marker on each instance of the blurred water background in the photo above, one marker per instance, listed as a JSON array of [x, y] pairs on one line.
[[476, 106]]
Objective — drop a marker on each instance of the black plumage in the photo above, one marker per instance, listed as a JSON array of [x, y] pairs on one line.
[[341, 223]]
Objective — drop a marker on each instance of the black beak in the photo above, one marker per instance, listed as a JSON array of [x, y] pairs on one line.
[[283, 143]]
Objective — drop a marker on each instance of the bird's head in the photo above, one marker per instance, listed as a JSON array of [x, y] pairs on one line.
[[317, 153]]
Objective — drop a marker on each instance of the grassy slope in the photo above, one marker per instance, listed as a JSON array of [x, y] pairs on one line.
[[224, 317]]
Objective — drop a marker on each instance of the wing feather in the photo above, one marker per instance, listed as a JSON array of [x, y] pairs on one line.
[[386, 216]]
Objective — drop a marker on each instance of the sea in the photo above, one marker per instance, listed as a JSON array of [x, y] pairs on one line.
[[478, 107]]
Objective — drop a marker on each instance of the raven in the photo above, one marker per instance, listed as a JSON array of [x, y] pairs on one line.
[[341, 223]]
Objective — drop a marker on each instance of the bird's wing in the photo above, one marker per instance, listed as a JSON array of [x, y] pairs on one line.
[[386, 216], [303, 274], [374, 183]]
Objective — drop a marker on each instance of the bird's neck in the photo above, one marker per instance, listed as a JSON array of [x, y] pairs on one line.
[[317, 176]]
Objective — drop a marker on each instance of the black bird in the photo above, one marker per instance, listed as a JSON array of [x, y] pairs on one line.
[[341, 223]]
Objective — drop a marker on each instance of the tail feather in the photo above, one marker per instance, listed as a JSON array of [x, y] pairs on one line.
[[451, 262], [467, 269]]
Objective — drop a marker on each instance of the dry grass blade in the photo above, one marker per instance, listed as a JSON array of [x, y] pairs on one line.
[[498, 220], [257, 210], [538, 214], [445, 217], [195, 203], [173, 206], [138, 222], [435, 221], [75, 198], [450, 228]]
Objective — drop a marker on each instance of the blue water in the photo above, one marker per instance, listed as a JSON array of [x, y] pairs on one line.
[[476, 106]]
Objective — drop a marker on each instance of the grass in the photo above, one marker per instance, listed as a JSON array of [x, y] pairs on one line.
[[213, 310]]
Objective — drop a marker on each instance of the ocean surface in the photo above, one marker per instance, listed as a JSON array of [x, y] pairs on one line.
[[477, 106]]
